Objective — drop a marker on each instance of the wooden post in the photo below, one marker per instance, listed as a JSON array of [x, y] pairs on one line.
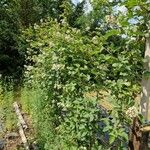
[[23, 137], [145, 95], [22, 125], [19, 115]]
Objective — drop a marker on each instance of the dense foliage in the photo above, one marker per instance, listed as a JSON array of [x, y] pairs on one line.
[[74, 60], [69, 65], [11, 61], [17, 15]]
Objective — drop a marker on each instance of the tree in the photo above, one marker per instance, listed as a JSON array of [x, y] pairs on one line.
[[11, 60], [137, 22], [17, 15]]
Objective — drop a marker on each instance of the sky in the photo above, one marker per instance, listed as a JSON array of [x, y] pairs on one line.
[[88, 6], [76, 1], [117, 9]]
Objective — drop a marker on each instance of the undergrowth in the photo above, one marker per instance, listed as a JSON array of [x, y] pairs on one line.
[[7, 115]]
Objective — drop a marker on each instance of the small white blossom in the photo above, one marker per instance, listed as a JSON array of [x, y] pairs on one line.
[[29, 68], [87, 28], [132, 112], [94, 39], [57, 66]]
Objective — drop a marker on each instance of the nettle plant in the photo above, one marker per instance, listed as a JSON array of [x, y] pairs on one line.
[[67, 64]]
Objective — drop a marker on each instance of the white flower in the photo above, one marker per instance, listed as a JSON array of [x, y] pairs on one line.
[[87, 28], [132, 112], [29, 68], [94, 39], [57, 66]]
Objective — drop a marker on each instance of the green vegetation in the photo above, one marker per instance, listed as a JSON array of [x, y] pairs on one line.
[[7, 115], [58, 53]]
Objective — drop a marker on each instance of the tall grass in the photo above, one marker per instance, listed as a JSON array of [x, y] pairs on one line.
[[33, 102], [7, 115]]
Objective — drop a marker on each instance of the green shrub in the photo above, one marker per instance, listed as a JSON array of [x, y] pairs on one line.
[[65, 64]]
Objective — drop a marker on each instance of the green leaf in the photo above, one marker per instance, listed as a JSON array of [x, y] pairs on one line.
[[125, 135], [107, 128], [112, 139], [111, 33]]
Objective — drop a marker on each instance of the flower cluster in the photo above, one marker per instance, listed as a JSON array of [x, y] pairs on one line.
[[132, 112]]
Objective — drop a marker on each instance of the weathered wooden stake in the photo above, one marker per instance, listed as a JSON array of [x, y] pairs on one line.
[[22, 125], [19, 115], [23, 137]]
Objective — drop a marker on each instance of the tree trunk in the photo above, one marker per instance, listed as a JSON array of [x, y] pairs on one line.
[[145, 95], [139, 139]]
